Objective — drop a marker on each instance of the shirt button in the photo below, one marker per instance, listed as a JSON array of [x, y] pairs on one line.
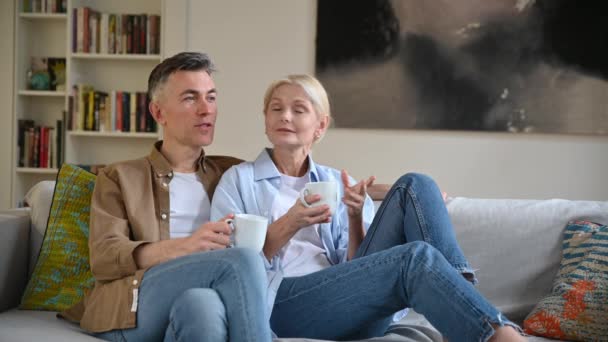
[[134, 281], [163, 216], [159, 174], [165, 184], [170, 174]]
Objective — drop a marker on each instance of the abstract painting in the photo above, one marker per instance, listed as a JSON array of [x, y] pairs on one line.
[[521, 66]]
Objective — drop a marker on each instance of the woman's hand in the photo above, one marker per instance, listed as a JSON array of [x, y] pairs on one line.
[[300, 216], [354, 196], [296, 218]]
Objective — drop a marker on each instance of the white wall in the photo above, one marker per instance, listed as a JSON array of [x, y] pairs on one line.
[[7, 27], [254, 43]]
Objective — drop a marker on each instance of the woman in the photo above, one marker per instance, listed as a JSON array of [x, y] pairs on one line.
[[329, 279]]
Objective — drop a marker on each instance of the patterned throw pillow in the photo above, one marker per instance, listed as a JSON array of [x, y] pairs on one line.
[[62, 273], [577, 308]]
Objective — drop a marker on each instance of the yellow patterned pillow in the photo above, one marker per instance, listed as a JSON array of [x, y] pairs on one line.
[[577, 308], [62, 273]]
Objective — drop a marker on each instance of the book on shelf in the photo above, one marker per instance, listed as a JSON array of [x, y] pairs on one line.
[[100, 32], [114, 111], [46, 73], [37, 146], [45, 6]]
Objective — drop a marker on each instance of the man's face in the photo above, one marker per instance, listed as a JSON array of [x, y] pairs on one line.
[[186, 108]]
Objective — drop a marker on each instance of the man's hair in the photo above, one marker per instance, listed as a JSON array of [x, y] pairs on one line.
[[183, 61]]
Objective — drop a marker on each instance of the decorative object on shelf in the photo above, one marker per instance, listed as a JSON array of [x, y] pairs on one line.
[[56, 68], [46, 73], [38, 77]]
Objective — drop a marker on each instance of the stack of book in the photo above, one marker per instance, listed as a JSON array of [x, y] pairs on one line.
[[107, 33], [114, 111], [44, 6], [39, 146]]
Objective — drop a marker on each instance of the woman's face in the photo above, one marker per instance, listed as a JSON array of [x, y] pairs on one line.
[[291, 119]]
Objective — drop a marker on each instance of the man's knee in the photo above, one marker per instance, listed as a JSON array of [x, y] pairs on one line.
[[197, 302], [198, 312]]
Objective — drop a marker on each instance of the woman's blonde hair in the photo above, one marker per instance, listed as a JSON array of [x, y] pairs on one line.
[[311, 86]]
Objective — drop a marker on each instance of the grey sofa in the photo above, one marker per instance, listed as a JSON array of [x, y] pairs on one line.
[[514, 244]]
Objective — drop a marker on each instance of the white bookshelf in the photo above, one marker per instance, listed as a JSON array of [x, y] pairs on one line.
[[60, 16], [42, 93], [50, 35], [127, 135], [37, 170], [119, 56]]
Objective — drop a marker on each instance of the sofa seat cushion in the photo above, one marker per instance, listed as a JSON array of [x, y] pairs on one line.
[[27, 325]]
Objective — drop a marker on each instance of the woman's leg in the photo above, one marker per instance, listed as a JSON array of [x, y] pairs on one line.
[[236, 275], [413, 210], [345, 300]]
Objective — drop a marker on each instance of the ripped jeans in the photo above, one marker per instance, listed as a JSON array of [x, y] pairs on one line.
[[409, 258]]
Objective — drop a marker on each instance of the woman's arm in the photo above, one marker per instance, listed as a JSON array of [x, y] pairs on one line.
[[355, 198], [286, 226], [378, 191]]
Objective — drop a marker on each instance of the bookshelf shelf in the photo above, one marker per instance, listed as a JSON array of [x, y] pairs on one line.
[[60, 16], [49, 93], [140, 135], [36, 170], [116, 56]]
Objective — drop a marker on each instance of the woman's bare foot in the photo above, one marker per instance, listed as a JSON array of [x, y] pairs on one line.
[[506, 333]]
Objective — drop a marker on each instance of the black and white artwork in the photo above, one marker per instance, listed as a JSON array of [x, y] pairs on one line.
[[521, 66]]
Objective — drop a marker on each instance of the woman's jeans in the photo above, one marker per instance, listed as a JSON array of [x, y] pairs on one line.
[[409, 258], [210, 296]]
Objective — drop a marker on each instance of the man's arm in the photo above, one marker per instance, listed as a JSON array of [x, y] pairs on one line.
[[209, 236], [112, 252], [110, 246]]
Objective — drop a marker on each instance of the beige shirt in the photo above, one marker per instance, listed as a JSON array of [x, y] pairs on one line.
[[129, 207]]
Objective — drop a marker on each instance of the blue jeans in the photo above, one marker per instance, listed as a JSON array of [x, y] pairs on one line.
[[409, 258], [211, 296]]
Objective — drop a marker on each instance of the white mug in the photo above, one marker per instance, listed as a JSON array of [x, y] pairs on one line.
[[328, 192], [248, 231]]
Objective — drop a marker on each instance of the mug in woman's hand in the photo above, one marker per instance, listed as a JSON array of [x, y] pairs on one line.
[[328, 192]]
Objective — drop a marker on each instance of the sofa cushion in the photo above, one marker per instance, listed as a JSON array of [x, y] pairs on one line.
[[39, 199], [62, 273], [577, 307]]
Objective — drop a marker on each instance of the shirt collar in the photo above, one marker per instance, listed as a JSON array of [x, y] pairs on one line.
[[264, 168], [161, 166]]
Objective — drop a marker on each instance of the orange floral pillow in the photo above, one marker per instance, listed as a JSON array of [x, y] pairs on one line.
[[577, 308]]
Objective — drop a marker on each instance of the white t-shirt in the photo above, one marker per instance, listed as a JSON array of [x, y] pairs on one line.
[[304, 253], [189, 204]]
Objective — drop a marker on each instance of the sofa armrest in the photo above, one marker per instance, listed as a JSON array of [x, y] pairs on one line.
[[14, 252]]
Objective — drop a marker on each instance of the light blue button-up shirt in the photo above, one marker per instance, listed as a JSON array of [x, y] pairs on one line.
[[251, 188]]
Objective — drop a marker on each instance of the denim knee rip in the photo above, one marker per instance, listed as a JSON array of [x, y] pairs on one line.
[[467, 272], [499, 321]]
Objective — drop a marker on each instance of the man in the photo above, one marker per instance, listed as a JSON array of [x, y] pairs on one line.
[[162, 269]]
